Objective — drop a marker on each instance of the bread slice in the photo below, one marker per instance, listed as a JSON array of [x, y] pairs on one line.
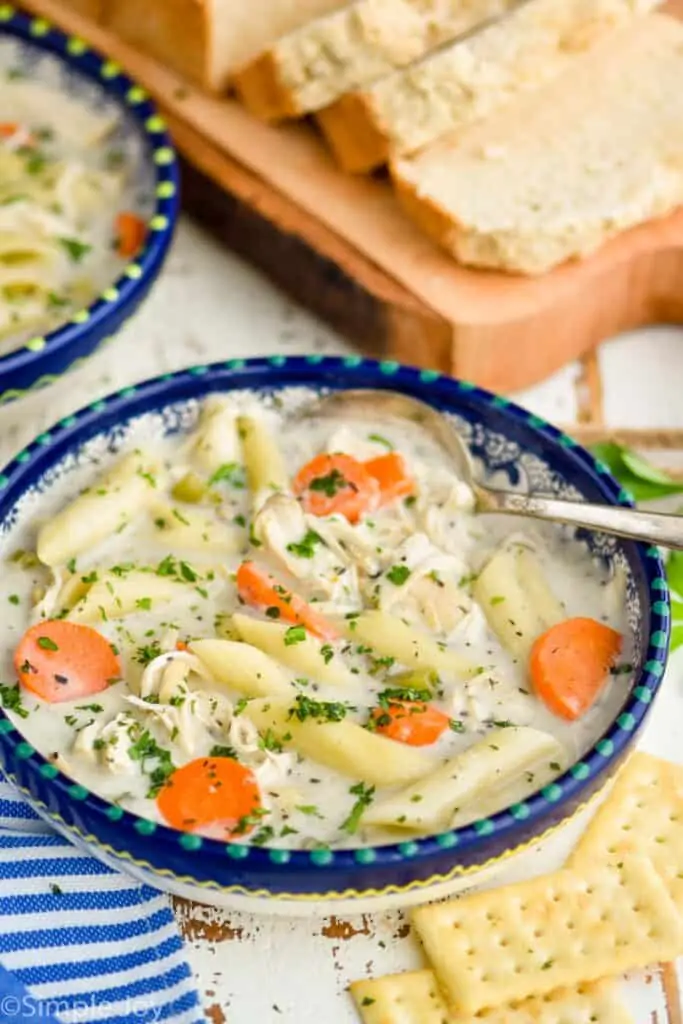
[[366, 39], [554, 175], [468, 80], [206, 40]]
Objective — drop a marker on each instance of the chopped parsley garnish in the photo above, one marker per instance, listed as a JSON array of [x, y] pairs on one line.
[[273, 612], [456, 725], [10, 697], [367, 1001], [231, 473], [263, 836], [309, 809], [327, 652], [249, 821], [269, 741], [323, 711], [46, 644], [145, 749], [379, 439], [329, 485], [294, 635], [95, 708], [167, 566], [74, 248], [365, 795], [14, 599], [223, 751], [498, 599], [34, 164], [398, 574], [55, 889], [144, 604], [397, 694], [148, 653], [188, 573], [305, 548]]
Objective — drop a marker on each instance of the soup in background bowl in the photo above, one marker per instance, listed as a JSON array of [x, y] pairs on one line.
[[88, 200], [280, 664]]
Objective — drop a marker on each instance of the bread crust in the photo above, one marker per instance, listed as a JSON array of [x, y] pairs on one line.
[[176, 32], [355, 133], [260, 87]]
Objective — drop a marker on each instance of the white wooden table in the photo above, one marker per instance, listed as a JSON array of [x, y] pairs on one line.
[[209, 306]]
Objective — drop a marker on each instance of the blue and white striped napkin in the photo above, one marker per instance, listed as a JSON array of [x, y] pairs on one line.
[[79, 943]]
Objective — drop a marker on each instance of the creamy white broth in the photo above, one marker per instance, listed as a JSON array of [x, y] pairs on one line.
[[69, 165], [306, 803]]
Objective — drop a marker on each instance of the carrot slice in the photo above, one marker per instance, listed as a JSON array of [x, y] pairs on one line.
[[59, 661], [182, 646], [569, 665], [131, 232], [339, 484], [10, 128], [212, 795], [393, 478], [411, 721], [261, 590]]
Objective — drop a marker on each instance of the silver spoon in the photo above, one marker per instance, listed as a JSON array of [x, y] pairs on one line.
[[660, 528]]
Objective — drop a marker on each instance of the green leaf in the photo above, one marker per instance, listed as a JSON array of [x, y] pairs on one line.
[[638, 476], [643, 469], [674, 572], [677, 637]]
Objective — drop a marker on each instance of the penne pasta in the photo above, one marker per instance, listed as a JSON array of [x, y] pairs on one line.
[[460, 783], [310, 657], [101, 511], [216, 442], [516, 599], [266, 471], [193, 530], [392, 638], [243, 668], [343, 746], [114, 596]]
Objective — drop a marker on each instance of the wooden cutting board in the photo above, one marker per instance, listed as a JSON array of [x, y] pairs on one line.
[[340, 245]]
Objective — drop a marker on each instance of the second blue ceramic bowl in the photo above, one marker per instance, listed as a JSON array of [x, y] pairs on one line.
[[85, 73], [505, 439]]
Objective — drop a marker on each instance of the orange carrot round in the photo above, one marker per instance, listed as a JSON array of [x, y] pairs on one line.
[[337, 484], [569, 665], [212, 795], [59, 661], [392, 475], [131, 232], [261, 590], [410, 721], [8, 129]]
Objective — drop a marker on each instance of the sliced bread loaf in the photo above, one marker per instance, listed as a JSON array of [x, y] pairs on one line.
[[468, 80], [366, 39], [206, 40], [554, 175]]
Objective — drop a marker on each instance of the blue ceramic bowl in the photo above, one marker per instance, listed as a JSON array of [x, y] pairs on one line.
[[85, 74], [504, 438]]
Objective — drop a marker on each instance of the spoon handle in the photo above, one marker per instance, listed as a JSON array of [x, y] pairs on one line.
[[660, 528]]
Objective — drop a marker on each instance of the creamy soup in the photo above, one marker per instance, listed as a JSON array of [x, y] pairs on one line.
[[70, 210], [297, 633]]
